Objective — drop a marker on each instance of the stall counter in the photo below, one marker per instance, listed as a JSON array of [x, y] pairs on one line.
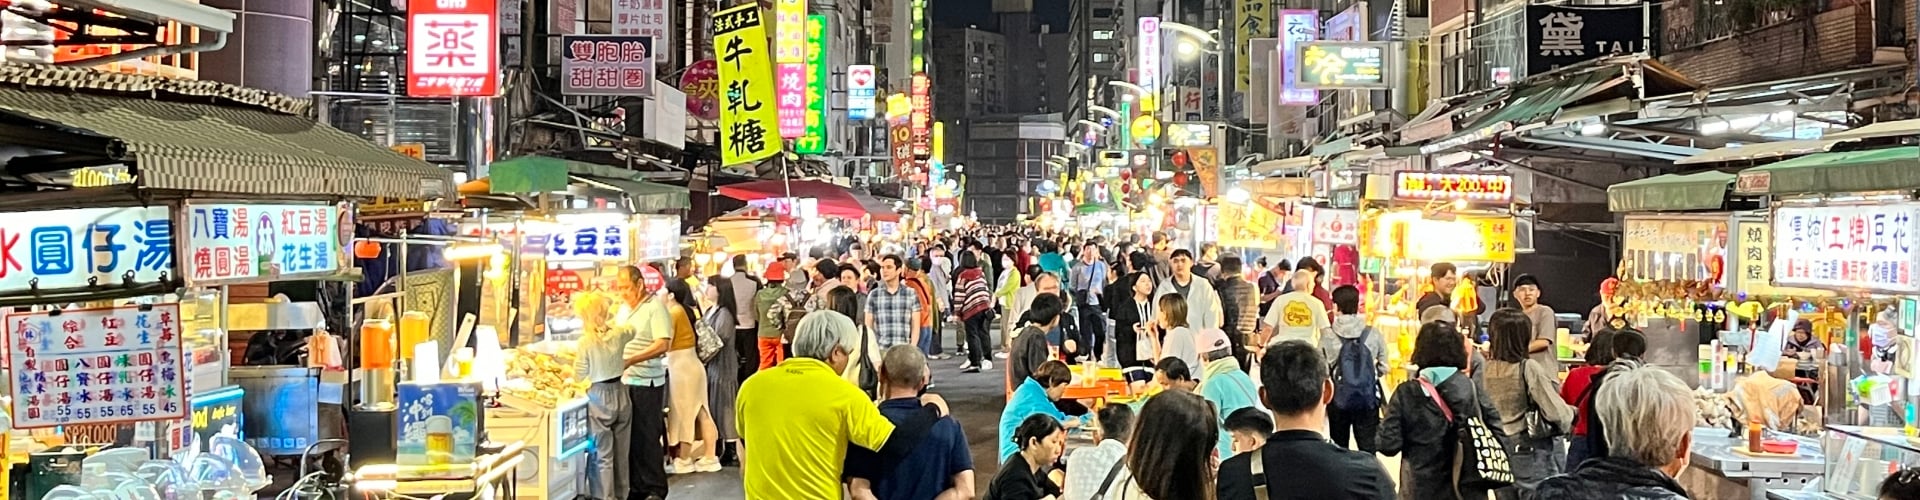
[[1725, 474]]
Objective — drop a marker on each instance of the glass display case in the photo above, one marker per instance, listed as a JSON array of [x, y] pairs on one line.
[[1859, 458]]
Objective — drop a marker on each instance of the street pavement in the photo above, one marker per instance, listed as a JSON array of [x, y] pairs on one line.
[[975, 400]]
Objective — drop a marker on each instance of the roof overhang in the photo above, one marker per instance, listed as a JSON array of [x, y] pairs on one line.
[[161, 11]]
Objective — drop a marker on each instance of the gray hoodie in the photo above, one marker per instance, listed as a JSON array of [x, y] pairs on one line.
[[1350, 326]]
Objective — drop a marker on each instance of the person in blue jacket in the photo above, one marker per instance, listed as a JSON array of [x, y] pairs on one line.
[[1222, 383], [1034, 395]]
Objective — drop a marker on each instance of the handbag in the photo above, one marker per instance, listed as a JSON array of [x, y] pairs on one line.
[[869, 378], [1537, 425], [706, 342], [1479, 460]]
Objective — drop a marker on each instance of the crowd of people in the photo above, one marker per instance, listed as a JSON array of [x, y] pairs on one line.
[[1259, 382]]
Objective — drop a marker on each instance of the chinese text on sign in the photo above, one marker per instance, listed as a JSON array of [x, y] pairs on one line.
[[451, 48], [740, 39], [607, 65], [1847, 247], [68, 248], [92, 366], [245, 241]]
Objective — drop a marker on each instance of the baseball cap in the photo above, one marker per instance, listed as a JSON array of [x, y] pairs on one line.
[[777, 271], [1210, 340]]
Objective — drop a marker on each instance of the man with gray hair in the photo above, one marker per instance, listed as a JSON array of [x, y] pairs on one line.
[[800, 416], [1649, 415], [939, 467]]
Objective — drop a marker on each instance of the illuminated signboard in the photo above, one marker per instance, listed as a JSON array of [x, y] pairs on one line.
[[451, 48], [1344, 65], [813, 139], [922, 114], [1296, 28], [860, 92], [1485, 188], [1148, 74]]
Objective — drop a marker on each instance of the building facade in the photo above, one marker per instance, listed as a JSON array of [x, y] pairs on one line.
[[1007, 163]]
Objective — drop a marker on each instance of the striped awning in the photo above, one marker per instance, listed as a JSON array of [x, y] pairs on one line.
[[215, 138]]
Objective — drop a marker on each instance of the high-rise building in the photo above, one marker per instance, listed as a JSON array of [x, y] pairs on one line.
[[1099, 34], [970, 79], [1007, 161], [1041, 52]]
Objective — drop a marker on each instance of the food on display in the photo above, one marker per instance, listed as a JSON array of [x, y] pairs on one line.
[[543, 374]]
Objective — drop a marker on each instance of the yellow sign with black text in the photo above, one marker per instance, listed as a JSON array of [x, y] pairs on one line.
[[747, 111]]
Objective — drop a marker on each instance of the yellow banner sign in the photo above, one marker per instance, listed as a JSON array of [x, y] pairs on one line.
[[1247, 225], [747, 112], [1753, 270], [1251, 19], [1406, 235]]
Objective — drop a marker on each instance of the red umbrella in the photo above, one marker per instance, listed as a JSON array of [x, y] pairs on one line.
[[834, 200]]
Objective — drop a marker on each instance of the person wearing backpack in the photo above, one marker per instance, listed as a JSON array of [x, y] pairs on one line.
[[1359, 355]]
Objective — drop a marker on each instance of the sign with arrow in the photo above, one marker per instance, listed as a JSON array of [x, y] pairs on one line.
[[860, 92]]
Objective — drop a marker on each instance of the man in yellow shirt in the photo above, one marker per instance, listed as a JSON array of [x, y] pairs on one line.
[[799, 417]]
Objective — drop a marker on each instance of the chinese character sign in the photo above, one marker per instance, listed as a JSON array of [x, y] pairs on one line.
[[790, 80], [660, 236], [900, 134], [1252, 19], [95, 366], [643, 18], [590, 242], [451, 48], [1484, 188], [790, 31], [607, 65], [1847, 247], [1296, 28], [237, 242], [1337, 227], [1147, 66], [746, 89], [813, 139], [1676, 249], [1343, 65], [1561, 35], [922, 116], [861, 95], [701, 82], [68, 248], [1753, 268]]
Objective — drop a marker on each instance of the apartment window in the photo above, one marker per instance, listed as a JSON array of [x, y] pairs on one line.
[[1033, 169], [1102, 12], [1101, 57]]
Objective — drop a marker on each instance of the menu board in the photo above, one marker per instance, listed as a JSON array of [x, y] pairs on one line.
[[1847, 247], [231, 242], [95, 366]]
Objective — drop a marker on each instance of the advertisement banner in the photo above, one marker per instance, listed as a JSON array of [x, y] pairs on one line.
[[900, 133], [1247, 225], [644, 18], [1206, 169], [792, 98], [1446, 186], [1345, 65], [813, 137], [790, 31], [1147, 63], [1753, 270], [1851, 247], [1674, 248], [230, 242], [96, 366], [452, 48], [590, 242], [701, 82], [922, 114], [1297, 26], [1463, 239], [740, 36], [1253, 19], [71, 248], [860, 92], [607, 65], [1563, 35], [1336, 227]]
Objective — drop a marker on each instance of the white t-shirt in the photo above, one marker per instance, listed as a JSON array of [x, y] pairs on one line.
[[1297, 316]]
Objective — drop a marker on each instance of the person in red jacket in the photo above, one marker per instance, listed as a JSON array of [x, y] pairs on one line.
[[1574, 391]]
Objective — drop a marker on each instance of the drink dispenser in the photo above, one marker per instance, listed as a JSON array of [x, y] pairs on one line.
[[413, 331], [376, 363]]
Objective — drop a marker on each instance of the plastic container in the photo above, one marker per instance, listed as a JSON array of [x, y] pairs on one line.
[[1782, 447], [413, 331], [376, 344]]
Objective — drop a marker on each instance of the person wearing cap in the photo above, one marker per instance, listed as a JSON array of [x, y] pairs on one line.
[[1223, 383], [1526, 293], [770, 307]]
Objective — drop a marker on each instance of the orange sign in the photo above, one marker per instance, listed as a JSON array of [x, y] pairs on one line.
[[1442, 186], [414, 149]]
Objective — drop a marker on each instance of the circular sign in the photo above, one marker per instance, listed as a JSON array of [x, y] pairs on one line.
[[1145, 130], [701, 82], [651, 279]]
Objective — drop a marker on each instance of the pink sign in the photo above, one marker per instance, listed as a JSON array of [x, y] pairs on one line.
[[701, 83], [790, 90]]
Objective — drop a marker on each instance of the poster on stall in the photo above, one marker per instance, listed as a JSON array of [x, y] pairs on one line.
[[1247, 225], [1673, 248], [233, 242], [589, 242], [1753, 270], [68, 248], [1848, 247], [1336, 227], [96, 366], [660, 237]]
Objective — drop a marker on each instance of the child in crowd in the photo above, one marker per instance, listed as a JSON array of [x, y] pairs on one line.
[[1250, 428]]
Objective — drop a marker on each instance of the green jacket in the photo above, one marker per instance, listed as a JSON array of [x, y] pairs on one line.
[[769, 305]]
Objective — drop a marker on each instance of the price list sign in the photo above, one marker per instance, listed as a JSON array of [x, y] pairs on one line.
[[96, 366]]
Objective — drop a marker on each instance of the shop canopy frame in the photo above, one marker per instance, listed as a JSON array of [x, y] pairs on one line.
[[1869, 171], [1671, 193], [195, 136], [1831, 100], [834, 200], [1549, 115], [533, 174]]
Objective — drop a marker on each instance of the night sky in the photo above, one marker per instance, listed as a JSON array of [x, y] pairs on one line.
[[963, 13]]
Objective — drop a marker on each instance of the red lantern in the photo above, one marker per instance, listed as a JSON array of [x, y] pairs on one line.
[[366, 249]]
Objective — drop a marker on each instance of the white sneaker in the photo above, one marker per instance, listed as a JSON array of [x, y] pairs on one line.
[[706, 464], [986, 365], [683, 466], [966, 364], [999, 355]]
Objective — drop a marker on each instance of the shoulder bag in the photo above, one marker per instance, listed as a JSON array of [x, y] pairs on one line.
[[706, 341], [1107, 484], [1537, 425], [1479, 461]]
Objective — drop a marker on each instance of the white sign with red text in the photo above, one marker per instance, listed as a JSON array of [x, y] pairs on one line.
[[452, 48], [860, 92], [1336, 227]]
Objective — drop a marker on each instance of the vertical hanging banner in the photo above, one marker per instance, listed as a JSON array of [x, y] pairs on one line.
[[1252, 19], [452, 48], [790, 65], [814, 139], [740, 35], [922, 113], [900, 133], [644, 18], [860, 92], [1296, 28], [1147, 68]]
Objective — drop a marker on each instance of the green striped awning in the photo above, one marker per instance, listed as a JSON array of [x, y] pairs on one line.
[[1671, 192], [533, 174], [1885, 169], [251, 143]]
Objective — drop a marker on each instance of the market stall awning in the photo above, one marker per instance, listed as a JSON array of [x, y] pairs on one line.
[[1894, 128], [834, 200], [1532, 104], [215, 137], [1887, 169], [1671, 192], [1760, 151], [532, 174]]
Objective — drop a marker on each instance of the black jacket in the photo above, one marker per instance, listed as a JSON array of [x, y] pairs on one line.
[[1611, 478], [1016, 481], [1415, 426], [1304, 465]]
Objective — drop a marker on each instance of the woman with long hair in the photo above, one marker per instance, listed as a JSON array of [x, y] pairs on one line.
[[1519, 386], [864, 364], [973, 303], [1174, 334], [1416, 424], [690, 423], [1172, 449], [723, 381], [1130, 303]]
